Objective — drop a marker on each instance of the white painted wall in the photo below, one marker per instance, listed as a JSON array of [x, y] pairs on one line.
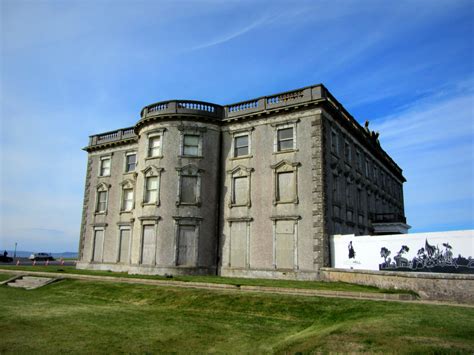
[[367, 247]]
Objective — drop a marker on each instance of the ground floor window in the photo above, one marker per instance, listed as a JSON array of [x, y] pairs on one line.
[[186, 245], [98, 246]]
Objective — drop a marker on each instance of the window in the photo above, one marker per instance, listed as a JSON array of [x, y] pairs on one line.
[[102, 201], [336, 189], [104, 166], [358, 160], [348, 194], [188, 189], [240, 189], [187, 240], [151, 189], [186, 245], [154, 146], [285, 182], [285, 138], [127, 203], [124, 245], [241, 145], [285, 241], [239, 244], [98, 245], [334, 142], [130, 162], [191, 141], [240, 186], [191, 144], [189, 185], [347, 152], [148, 252], [367, 168]]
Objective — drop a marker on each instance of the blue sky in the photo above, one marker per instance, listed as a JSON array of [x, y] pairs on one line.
[[70, 69]]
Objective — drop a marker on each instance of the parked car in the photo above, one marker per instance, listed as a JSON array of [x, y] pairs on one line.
[[41, 256], [5, 259]]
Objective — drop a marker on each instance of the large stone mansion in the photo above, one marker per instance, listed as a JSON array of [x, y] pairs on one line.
[[251, 189]]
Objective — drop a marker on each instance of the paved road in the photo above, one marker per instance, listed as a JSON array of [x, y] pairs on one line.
[[26, 261]]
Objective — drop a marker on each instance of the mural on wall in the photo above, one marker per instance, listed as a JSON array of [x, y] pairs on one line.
[[429, 258]]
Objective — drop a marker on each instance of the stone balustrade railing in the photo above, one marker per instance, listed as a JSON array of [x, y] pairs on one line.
[[185, 107], [112, 136]]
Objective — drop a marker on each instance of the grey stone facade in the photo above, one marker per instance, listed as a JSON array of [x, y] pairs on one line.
[[250, 189]]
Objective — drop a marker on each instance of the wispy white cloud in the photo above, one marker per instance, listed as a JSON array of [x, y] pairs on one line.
[[433, 141]]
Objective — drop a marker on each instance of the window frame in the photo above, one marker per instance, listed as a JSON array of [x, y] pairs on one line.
[[231, 221], [101, 162], [96, 229], [102, 188], [284, 125], [122, 227], [236, 173], [195, 222], [189, 170], [125, 168], [335, 141], [127, 185], [285, 166], [295, 220], [192, 131], [151, 171], [156, 133]]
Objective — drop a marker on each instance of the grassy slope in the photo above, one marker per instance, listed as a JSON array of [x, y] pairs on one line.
[[4, 277], [319, 285], [92, 317]]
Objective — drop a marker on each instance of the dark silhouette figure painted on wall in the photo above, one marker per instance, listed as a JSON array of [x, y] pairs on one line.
[[351, 251]]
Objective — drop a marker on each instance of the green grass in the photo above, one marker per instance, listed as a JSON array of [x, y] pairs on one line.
[[316, 285], [4, 277], [75, 316]]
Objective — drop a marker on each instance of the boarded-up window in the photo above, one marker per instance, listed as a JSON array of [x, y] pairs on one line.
[[98, 245], [124, 245], [188, 189], [240, 190], [286, 186], [151, 189], [284, 239], [186, 245], [148, 245], [238, 244]]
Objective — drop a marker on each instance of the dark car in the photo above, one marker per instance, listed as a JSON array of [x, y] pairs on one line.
[[5, 259], [41, 256]]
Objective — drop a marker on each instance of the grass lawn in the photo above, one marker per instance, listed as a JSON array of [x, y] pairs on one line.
[[4, 277], [317, 285], [76, 316]]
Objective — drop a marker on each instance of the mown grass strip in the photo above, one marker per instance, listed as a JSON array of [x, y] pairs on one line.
[[315, 285]]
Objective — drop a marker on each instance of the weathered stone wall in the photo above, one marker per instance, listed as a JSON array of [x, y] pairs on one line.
[[261, 212], [430, 286]]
